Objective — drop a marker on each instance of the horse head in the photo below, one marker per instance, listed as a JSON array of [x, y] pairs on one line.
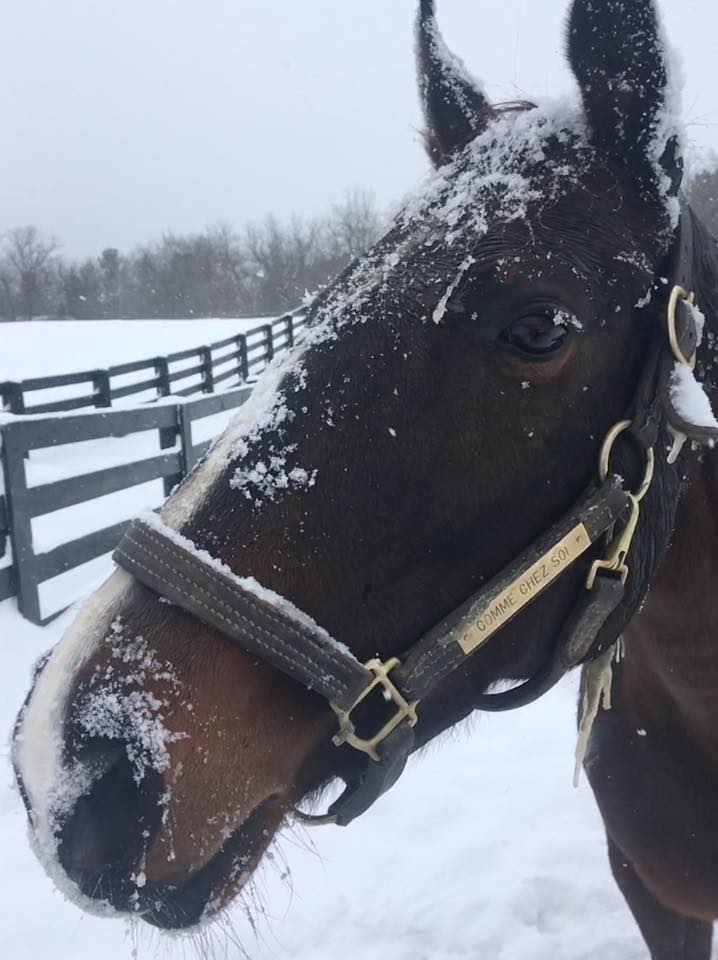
[[447, 406]]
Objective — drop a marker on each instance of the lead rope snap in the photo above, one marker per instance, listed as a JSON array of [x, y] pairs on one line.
[[619, 545]]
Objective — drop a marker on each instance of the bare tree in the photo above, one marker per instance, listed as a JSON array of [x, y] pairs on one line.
[[8, 293], [28, 255], [291, 258], [354, 224], [233, 271], [110, 269], [280, 256]]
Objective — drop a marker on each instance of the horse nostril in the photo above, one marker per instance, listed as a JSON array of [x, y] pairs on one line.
[[111, 826]]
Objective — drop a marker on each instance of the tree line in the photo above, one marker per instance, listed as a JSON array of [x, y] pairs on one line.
[[266, 269]]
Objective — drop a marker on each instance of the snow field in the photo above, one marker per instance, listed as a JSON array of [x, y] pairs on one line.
[[47, 347]]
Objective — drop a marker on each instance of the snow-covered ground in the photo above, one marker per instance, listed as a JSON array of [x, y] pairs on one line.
[[47, 347], [483, 849]]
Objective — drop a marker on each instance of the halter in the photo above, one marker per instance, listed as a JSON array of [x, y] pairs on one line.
[[170, 565]]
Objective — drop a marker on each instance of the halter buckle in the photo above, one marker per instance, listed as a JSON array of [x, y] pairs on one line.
[[405, 710]]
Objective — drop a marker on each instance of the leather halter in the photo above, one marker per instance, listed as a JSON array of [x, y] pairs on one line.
[[277, 633]]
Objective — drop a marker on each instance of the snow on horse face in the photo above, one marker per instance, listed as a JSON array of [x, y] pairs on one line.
[[446, 407]]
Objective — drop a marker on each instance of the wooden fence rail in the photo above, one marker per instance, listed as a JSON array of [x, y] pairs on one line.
[[24, 502], [232, 359], [229, 363]]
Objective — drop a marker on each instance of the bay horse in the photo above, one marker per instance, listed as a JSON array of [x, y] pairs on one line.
[[488, 461]]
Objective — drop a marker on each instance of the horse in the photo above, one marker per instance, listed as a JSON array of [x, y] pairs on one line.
[[488, 462]]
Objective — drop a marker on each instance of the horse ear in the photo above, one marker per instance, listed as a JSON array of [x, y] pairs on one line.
[[455, 108], [616, 51]]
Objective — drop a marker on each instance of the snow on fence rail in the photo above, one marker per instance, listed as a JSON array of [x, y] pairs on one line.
[[197, 370], [55, 466]]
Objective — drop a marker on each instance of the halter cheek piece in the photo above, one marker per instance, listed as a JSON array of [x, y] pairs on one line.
[[168, 564]]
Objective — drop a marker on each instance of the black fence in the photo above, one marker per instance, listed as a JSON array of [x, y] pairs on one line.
[[228, 362], [25, 503], [167, 427]]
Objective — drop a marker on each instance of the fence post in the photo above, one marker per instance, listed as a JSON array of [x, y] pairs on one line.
[[184, 426], [20, 522], [243, 358], [102, 388], [269, 341], [208, 373], [162, 369], [168, 435], [14, 397], [3, 525], [290, 329]]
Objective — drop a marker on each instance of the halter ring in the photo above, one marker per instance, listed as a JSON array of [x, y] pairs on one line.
[[679, 293], [604, 461]]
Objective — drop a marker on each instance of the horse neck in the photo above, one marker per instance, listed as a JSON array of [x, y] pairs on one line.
[[675, 637]]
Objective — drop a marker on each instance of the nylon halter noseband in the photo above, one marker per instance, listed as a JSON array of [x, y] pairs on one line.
[[170, 565]]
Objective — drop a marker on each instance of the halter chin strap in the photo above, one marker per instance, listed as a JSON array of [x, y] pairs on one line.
[[171, 566]]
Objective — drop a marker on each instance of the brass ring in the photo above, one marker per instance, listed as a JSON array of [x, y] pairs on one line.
[[604, 461], [679, 293]]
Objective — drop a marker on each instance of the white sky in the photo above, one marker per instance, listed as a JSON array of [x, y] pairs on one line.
[[124, 118]]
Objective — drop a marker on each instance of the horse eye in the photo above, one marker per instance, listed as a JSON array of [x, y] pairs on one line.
[[539, 334]]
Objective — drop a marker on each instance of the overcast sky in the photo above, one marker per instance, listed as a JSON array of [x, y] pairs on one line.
[[124, 118]]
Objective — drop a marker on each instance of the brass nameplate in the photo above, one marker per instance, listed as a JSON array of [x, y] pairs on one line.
[[508, 603]]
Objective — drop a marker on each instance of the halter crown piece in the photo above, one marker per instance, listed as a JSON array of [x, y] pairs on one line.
[[158, 558]]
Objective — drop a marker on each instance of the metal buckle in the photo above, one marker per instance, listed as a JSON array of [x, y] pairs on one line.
[[405, 710], [678, 294], [615, 559]]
